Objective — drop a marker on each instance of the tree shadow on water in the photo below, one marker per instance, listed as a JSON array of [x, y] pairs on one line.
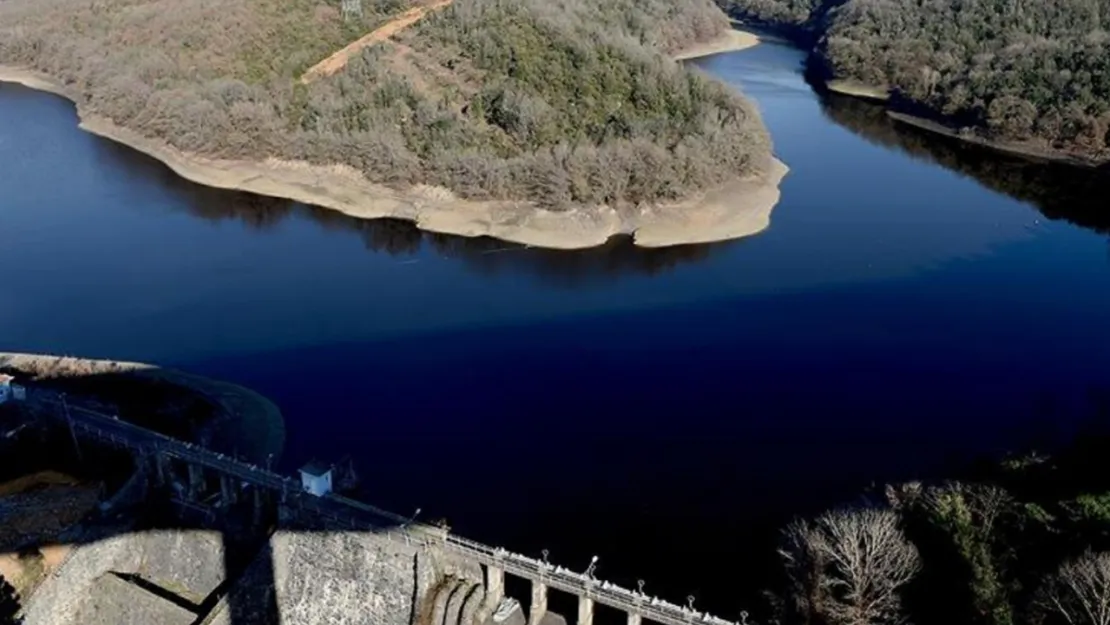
[[1059, 191]]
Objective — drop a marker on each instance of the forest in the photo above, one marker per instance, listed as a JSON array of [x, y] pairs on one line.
[[563, 103], [1027, 73]]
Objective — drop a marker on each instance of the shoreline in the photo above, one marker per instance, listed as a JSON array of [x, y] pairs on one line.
[[877, 95], [1011, 149], [734, 210], [858, 90], [734, 40]]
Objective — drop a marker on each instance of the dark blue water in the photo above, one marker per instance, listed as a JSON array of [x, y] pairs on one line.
[[914, 304]]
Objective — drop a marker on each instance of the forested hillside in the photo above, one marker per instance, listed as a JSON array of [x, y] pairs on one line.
[[1030, 71], [564, 102]]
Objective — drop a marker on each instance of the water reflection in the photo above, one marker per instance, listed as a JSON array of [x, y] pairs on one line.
[[1074, 194], [569, 268]]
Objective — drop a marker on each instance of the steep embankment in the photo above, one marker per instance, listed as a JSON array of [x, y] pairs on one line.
[[1029, 77], [551, 125]]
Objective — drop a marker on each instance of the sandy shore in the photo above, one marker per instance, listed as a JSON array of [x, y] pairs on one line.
[[731, 41], [738, 209], [858, 90]]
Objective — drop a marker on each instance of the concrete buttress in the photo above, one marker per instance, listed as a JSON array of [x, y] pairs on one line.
[[539, 603]]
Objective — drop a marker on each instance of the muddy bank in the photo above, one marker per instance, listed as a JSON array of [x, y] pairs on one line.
[[738, 209], [239, 420]]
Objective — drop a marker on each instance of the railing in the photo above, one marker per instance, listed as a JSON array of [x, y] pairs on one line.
[[130, 436]]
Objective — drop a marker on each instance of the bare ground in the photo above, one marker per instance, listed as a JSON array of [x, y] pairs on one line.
[[858, 90], [732, 41]]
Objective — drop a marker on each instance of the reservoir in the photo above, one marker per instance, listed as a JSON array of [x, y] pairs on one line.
[[914, 305]]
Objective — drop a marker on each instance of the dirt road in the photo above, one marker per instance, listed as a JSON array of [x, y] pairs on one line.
[[338, 61]]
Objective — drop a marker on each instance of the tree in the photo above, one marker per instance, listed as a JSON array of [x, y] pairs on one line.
[[1079, 593], [849, 567], [958, 524]]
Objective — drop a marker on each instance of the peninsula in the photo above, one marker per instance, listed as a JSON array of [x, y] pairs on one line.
[[551, 126], [1028, 78]]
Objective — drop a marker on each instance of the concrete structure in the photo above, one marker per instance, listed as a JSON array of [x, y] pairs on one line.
[[316, 478], [114, 600], [206, 469], [95, 585], [346, 578]]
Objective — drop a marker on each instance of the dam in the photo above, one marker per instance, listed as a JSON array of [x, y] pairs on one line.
[[315, 544]]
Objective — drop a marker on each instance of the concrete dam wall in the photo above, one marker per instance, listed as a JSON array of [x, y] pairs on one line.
[[178, 577], [348, 578]]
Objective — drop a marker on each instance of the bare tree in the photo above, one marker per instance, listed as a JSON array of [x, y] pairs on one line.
[[988, 502], [849, 566], [1079, 593]]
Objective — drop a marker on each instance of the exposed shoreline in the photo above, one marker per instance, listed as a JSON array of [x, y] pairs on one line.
[[732, 41], [1010, 148], [858, 90], [737, 209]]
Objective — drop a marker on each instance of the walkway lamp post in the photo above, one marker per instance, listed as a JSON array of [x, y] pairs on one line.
[[593, 566]]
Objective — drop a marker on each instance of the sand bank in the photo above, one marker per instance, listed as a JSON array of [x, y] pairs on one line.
[[731, 41], [737, 209], [858, 90]]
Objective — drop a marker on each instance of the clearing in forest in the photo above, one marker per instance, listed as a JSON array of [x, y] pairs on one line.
[[338, 61]]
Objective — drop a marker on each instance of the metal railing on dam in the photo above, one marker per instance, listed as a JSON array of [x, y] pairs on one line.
[[143, 443]]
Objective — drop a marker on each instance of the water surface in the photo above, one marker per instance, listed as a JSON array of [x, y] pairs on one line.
[[913, 303]]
